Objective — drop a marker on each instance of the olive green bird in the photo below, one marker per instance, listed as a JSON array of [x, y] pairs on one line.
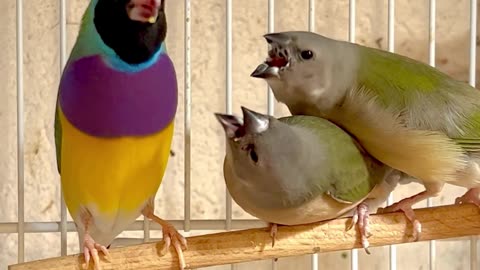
[[405, 113], [301, 169]]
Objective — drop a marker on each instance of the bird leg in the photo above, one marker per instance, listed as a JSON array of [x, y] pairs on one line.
[[273, 227], [273, 232], [471, 196], [90, 247], [360, 218], [377, 196], [405, 205], [170, 235]]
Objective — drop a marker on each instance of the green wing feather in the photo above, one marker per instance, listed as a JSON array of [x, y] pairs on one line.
[[425, 97], [469, 144], [352, 175]]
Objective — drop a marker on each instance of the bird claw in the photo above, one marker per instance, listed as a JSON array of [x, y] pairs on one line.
[[360, 218], [90, 250], [471, 196], [172, 236], [273, 232], [406, 207]]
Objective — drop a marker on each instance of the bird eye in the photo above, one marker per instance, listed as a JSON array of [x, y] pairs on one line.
[[307, 54], [253, 155]]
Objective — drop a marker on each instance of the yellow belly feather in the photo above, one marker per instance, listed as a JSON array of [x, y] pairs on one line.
[[113, 175]]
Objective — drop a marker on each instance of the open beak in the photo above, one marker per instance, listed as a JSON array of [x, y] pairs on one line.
[[230, 123], [144, 10], [265, 71], [278, 38], [278, 56]]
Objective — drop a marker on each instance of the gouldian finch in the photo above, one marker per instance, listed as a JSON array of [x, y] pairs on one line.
[[405, 113], [114, 122], [301, 169]]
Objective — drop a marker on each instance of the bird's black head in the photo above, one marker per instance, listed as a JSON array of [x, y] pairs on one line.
[[134, 29]]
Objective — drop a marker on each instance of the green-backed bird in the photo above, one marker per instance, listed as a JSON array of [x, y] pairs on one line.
[[407, 114], [114, 122], [301, 169]]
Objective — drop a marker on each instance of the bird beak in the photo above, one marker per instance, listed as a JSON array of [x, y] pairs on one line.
[[281, 39], [144, 10], [230, 124], [265, 71], [271, 67], [254, 122]]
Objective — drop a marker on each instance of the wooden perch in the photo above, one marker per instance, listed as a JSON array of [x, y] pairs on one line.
[[255, 244]]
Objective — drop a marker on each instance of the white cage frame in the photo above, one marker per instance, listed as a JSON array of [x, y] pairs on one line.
[[21, 227]]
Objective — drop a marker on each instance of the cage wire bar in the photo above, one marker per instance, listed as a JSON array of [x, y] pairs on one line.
[[270, 97], [63, 54], [351, 38], [431, 61], [228, 100], [187, 116], [311, 28], [21, 227], [391, 45], [20, 135], [271, 28], [471, 81]]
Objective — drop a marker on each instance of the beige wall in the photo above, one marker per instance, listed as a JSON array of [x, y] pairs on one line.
[[41, 70]]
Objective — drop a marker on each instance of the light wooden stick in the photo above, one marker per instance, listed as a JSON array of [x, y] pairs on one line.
[[255, 244]]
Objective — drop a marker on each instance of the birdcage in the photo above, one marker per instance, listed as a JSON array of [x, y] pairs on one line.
[[215, 45]]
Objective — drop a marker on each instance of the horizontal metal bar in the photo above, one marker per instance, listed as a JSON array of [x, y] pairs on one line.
[[214, 224], [196, 225]]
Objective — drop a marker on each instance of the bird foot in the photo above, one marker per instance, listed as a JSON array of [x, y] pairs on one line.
[[90, 250], [360, 218], [405, 206], [471, 196], [170, 236], [273, 232]]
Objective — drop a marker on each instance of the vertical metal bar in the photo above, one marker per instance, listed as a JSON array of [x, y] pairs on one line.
[[146, 229], [354, 259], [351, 38], [473, 40], [270, 96], [228, 74], [431, 55], [351, 21], [271, 27], [431, 61], [63, 57], [311, 28], [391, 43], [311, 15], [471, 81], [228, 99], [187, 114], [20, 135]]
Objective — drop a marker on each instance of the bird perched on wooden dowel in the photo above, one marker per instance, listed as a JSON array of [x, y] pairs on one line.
[[114, 122]]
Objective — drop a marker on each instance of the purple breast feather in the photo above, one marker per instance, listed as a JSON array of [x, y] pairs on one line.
[[104, 102]]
